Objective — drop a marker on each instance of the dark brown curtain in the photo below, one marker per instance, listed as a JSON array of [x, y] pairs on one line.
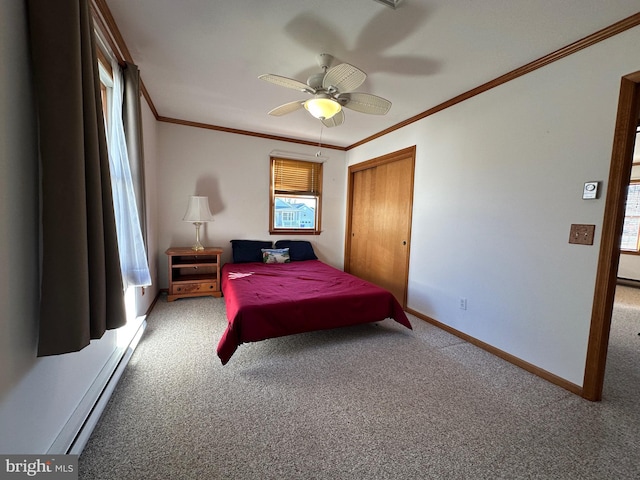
[[132, 121], [81, 284]]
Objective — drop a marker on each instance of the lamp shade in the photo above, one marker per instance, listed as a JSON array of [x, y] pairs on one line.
[[198, 210], [322, 108]]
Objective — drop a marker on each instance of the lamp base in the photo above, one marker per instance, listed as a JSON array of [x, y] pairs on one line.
[[197, 246]]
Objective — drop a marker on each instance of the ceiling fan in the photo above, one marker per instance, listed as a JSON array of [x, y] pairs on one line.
[[332, 89]]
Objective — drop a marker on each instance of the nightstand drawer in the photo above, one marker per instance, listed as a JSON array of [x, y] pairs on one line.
[[186, 288]]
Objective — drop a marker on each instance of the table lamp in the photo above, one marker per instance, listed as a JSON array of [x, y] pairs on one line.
[[197, 213]]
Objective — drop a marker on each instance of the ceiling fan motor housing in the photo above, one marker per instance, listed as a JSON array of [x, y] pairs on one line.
[[324, 60], [315, 81]]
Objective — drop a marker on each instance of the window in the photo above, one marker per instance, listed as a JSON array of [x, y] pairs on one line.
[[630, 242], [631, 228], [106, 84], [133, 257], [296, 196]]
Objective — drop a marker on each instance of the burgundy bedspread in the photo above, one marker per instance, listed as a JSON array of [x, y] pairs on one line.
[[272, 300]]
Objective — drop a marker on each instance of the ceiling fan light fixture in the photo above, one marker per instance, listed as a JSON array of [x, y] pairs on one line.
[[322, 108]]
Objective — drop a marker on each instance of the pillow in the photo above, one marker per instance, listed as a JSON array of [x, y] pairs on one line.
[[275, 255], [248, 250], [298, 249]]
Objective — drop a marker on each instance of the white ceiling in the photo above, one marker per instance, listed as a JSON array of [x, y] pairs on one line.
[[200, 59]]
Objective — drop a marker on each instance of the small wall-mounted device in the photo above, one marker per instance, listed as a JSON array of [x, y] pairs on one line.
[[590, 190]]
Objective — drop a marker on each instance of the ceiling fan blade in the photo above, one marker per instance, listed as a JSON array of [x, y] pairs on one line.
[[287, 82], [344, 78], [287, 108], [335, 121], [364, 103]]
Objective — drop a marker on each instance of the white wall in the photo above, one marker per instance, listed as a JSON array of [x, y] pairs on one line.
[[498, 183], [233, 171], [18, 201], [629, 267], [38, 396]]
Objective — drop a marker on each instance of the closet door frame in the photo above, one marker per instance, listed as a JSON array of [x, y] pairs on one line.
[[409, 152]]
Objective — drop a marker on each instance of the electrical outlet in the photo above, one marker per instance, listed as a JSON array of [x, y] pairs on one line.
[[463, 303]]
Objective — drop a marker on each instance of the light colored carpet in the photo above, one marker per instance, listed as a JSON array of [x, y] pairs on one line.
[[373, 402]]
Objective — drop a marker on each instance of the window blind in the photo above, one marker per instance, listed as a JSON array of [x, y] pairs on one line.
[[631, 227], [296, 177]]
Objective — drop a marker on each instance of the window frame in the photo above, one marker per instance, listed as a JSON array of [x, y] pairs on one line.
[[106, 84], [634, 182], [313, 189]]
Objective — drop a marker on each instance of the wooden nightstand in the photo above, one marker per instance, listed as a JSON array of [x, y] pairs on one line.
[[193, 273]]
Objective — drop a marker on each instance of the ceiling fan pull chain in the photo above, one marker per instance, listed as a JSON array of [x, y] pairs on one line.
[[319, 152]]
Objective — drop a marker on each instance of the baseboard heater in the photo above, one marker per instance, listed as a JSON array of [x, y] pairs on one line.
[[75, 434], [629, 282]]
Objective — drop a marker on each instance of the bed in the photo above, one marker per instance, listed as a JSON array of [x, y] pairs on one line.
[[294, 295]]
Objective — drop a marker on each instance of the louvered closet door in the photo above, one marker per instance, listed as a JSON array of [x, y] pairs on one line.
[[379, 226]]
